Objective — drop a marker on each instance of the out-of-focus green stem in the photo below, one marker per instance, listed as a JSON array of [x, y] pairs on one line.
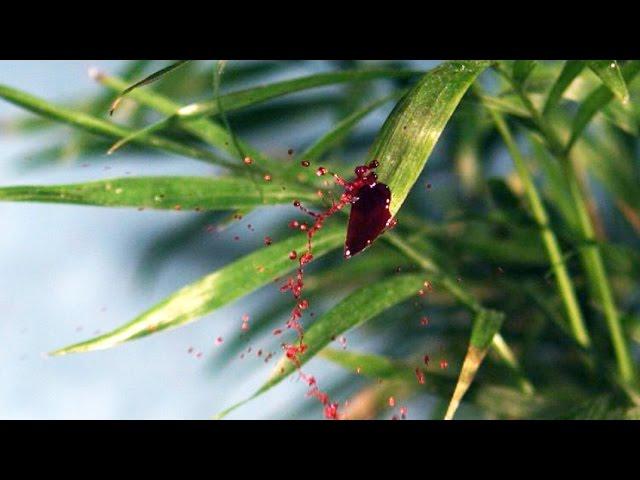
[[500, 346], [589, 251], [563, 280]]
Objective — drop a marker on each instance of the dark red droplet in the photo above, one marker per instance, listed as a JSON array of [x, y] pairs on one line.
[[368, 218]]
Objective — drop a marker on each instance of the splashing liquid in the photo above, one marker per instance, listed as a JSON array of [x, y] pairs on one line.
[[369, 217]]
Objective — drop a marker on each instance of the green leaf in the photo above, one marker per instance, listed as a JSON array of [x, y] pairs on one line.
[[522, 69], [98, 126], [359, 307], [381, 367], [146, 81], [342, 129], [415, 124], [570, 71], [255, 95], [509, 104], [213, 291], [596, 101], [187, 193], [486, 324], [609, 72]]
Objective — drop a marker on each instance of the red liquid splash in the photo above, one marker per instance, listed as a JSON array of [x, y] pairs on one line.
[[369, 217]]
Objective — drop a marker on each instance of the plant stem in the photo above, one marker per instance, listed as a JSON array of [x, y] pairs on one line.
[[500, 346], [589, 251], [563, 280]]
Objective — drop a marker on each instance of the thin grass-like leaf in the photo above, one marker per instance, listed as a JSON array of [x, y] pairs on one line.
[[146, 81], [357, 308], [252, 96], [381, 367], [609, 72], [219, 288], [485, 326], [414, 126], [342, 129], [522, 69], [98, 126], [570, 71], [596, 101], [178, 193]]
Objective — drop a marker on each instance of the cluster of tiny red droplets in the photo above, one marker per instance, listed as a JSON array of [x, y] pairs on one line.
[[295, 284]]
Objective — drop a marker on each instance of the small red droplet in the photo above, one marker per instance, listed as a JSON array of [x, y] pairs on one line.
[[305, 163], [219, 341], [331, 411], [443, 364], [303, 304], [424, 321], [420, 376], [248, 160], [267, 178], [392, 402], [293, 255], [305, 258], [267, 241], [426, 359], [321, 171]]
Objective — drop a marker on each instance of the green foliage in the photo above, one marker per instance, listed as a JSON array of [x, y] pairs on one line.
[[519, 241]]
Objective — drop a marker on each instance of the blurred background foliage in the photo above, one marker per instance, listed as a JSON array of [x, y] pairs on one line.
[[470, 212]]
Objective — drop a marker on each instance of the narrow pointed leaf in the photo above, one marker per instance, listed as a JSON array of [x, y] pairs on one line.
[[146, 81], [486, 324], [255, 95], [596, 101], [415, 124], [336, 134], [98, 126], [186, 193], [213, 291], [609, 72], [570, 71], [380, 367], [522, 69], [357, 308]]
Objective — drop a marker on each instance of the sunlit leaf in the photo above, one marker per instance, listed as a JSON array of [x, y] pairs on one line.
[[611, 75], [485, 326], [178, 193], [211, 292], [98, 126], [415, 124], [596, 101], [357, 308], [146, 81], [255, 95]]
